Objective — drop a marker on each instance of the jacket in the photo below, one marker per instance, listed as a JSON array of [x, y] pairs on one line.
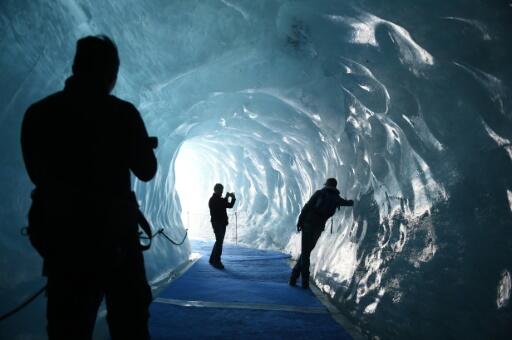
[[312, 214], [218, 206], [79, 147]]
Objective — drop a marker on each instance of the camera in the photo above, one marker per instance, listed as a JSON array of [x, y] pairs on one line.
[[153, 142]]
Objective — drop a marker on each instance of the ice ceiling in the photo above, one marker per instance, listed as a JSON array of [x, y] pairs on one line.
[[408, 104]]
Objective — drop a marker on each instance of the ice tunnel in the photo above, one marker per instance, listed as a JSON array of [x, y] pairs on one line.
[[407, 104]]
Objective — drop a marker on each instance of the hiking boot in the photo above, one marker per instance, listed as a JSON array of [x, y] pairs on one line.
[[293, 278], [305, 283]]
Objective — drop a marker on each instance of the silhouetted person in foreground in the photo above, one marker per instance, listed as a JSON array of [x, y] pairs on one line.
[[219, 219], [79, 146], [320, 207]]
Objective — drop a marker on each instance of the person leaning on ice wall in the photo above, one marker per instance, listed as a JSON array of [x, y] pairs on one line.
[[320, 207]]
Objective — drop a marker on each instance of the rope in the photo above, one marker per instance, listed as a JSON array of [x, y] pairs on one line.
[[161, 232], [20, 307], [40, 291]]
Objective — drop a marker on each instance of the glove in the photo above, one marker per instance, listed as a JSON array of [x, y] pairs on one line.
[[350, 203], [299, 227]]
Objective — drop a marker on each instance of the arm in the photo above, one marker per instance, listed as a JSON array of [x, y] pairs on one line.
[[32, 146], [345, 203], [142, 158]]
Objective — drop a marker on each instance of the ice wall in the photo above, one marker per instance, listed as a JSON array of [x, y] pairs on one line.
[[407, 104]]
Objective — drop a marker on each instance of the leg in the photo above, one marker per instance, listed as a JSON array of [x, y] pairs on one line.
[[73, 302], [220, 232], [128, 297], [309, 238], [213, 255], [295, 272], [296, 268]]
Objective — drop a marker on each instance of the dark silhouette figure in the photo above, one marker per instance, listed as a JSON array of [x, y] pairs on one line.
[[219, 219], [320, 207], [79, 146]]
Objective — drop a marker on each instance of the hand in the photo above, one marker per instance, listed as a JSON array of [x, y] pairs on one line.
[[350, 203]]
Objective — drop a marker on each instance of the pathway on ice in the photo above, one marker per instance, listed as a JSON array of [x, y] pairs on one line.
[[249, 299]]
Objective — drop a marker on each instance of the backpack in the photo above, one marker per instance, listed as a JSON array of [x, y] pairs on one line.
[[326, 204]]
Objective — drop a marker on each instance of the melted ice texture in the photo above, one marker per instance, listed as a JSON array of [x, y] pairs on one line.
[[407, 105]]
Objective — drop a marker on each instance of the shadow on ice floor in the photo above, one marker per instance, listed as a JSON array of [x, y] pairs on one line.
[[249, 299]]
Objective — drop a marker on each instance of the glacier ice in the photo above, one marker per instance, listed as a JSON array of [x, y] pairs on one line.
[[408, 104]]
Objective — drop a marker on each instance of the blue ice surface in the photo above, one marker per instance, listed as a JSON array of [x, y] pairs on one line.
[[250, 276]]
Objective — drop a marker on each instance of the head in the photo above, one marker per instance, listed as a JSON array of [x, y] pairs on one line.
[[331, 183], [97, 62], [218, 189]]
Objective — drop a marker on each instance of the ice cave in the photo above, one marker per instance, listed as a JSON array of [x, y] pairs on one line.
[[407, 103]]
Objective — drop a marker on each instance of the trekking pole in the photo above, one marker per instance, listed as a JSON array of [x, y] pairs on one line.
[[332, 221]]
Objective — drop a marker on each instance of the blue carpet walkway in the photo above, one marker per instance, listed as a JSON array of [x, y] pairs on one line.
[[249, 299]]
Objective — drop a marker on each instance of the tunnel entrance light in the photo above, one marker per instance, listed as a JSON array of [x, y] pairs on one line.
[[194, 184], [198, 166]]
